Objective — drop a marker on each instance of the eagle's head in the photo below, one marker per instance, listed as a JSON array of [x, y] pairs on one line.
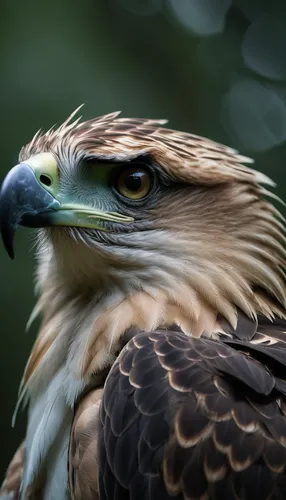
[[170, 226]]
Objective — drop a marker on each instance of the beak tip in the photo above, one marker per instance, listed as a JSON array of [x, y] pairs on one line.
[[8, 244], [8, 240], [11, 253]]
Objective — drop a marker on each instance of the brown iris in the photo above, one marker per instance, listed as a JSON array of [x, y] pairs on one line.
[[133, 183]]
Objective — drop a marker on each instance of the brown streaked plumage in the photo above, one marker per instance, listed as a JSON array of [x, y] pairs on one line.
[[12, 481], [83, 448], [193, 405], [185, 156]]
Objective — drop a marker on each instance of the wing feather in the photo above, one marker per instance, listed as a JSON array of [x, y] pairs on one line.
[[197, 419]]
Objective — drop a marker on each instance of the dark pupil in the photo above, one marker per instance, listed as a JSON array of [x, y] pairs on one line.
[[133, 181]]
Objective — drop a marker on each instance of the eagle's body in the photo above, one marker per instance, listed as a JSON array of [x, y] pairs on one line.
[[189, 277]]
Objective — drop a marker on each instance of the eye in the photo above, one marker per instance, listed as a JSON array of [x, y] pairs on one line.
[[133, 183]]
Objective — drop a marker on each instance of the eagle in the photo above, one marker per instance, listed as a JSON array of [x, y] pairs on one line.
[[159, 370]]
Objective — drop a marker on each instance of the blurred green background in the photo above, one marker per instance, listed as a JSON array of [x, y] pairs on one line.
[[212, 67]]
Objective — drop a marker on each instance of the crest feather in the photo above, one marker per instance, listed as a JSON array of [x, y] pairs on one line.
[[184, 156]]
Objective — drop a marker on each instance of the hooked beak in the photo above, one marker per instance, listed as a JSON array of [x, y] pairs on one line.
[[28, 198]]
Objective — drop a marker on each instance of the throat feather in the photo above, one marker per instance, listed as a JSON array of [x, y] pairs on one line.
[[85, 337]]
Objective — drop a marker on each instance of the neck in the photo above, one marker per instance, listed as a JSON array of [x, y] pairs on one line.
[[82, 328], [89, 306]]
